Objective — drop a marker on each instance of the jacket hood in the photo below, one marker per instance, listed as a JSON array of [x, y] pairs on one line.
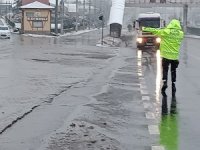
[[174, 24]]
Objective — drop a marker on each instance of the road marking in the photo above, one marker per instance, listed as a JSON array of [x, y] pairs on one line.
[[153, 130], [147, 105], [143, 87], [145, 98], [125, 72], [125, 84], [142, 80], [125, 87], [144, 92], [140, 74], [150, 115], [157, 148]]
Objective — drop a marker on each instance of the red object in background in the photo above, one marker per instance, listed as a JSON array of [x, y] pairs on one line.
[[24, 2]]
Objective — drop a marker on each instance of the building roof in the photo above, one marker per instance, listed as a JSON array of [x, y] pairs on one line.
[[37, 5], [25, 2], [149, 15]]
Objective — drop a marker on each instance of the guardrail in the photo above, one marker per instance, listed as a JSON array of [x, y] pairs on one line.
[[193, 30]]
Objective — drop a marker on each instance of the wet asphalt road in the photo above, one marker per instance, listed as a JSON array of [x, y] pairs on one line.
[[57, 80], [66, 93], [188, 95]]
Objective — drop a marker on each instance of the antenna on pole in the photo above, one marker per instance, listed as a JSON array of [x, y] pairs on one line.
[[62, 15]]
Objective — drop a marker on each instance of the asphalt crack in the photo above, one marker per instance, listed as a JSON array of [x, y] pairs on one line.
[[17, 119], [50, 100]]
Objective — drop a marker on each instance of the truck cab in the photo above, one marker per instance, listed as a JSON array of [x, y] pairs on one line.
[[146, 41]]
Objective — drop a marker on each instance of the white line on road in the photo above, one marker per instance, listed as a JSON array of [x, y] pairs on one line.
[[157, 148], [145, 98], [153, 130], [150, 115], [143, 87], [147, 105], [144, 92]]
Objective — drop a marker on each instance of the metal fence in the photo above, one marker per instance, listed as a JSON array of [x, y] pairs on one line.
[[193, 30]]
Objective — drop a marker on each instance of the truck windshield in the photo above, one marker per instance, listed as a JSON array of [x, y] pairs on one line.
[[154, 23]]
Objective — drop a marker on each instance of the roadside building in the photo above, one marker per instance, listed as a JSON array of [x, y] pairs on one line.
[[36, 18]]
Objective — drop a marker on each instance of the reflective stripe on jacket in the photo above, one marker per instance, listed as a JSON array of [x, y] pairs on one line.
[[171, 38]]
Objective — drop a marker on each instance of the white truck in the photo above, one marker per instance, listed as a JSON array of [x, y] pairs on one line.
[[146, 41]]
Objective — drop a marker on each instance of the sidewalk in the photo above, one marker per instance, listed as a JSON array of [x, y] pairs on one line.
[[192, 36]]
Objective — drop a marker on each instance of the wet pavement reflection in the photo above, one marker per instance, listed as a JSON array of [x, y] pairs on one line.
[[169, 127], [179, 131]]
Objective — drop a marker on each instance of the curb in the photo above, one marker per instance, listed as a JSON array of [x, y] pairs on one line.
[[192, 36]]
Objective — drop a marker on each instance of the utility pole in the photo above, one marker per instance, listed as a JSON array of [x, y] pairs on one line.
[[76, 15], [102, 20], [6, 9], [89, 14], [102, 31], [185, 15], [100, 6], [95, 10], [56, 17], [84, 14], [62, 15]]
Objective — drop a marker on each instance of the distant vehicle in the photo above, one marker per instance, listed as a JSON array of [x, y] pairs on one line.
[[4, 32], [146, 40]]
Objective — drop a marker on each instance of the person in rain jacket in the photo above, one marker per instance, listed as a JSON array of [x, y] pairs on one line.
[[171, 38]]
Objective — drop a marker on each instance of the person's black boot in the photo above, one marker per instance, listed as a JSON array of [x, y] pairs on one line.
[[173, 89], [164, 87]]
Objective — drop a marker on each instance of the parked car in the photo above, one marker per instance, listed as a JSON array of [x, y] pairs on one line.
[[4, 32]]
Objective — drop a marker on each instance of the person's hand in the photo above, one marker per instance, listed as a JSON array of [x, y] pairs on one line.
[[143, 28]]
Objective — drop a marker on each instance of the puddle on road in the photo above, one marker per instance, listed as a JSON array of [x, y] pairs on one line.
[[41, 60], [100, 56]]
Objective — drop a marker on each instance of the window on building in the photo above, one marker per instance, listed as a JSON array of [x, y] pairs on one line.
[[37, 24], [152, 1], [30, 14]]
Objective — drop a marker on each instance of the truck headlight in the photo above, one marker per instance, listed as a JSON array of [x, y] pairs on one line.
[[158, 40], [139, 40]]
